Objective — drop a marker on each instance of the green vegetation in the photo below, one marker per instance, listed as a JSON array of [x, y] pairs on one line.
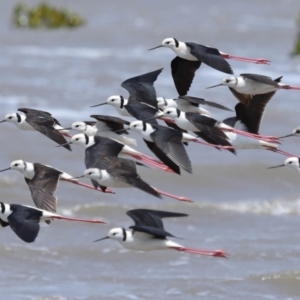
[[45, 16], [296, 50]]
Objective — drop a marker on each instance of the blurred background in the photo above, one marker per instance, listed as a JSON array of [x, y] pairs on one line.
[[240, 206]]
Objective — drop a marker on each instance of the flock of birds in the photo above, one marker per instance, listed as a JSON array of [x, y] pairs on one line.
[[106, 138]]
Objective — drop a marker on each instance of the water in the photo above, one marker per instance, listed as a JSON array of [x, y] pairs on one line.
[[240, 206]]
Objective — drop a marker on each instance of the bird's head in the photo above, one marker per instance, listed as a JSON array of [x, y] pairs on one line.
[[13, 118], [171, 113], [79, 126], [229, 81], [114, 100], [19, 165], [80, 139], [137, 125], [116, 234], [292, 162], [296, 131], [170, 43], [93, 173]]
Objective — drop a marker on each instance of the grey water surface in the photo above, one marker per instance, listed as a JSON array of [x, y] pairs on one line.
[[240, 206]]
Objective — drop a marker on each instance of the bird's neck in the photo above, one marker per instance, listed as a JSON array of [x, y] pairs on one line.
[[29, 170], [5, 211]]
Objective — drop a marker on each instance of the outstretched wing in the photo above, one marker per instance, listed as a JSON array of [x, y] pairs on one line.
[[141, 88], [106, 123], [211, 57]]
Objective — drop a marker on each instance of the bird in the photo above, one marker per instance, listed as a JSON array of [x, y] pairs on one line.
[[122, 173], [40, 121], [43, 181], [148, 233], [24, 220], [166, 143], [203, 126], [189, 104], [106, 126], [97, 146], [296, 132], [189, 58], [254, 84], [142, 102], [291, 162]]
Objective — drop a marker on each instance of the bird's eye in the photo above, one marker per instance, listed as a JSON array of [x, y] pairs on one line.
[[135, 126], [227, 80], [112, 100], [168, 112], [77, 126], [167, 43], [290, 162], [90, 173], [77, 140], [114, 233], [16, 165], [10, 118], [297, 131]]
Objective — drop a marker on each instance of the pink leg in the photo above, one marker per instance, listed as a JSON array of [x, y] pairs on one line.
[[215, 146], [282, 152], [271, 139], [152, 162], [108, 191], [78, 220], [66, 134], [215, 253], [290, 87], [245, 59], [173, 196]]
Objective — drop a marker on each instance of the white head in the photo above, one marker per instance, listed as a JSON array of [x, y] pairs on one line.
[[230, 81], [82, 139], [138, 126], [93, 173], [13, 118], [296, 131], [117, 101], [19, 165], [172, 113], [171, 43], [291, 162], [79, 126], [118, 234]]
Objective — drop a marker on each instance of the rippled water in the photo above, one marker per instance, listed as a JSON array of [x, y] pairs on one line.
[[240, 206]]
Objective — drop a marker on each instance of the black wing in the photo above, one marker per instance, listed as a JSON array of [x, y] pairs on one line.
[[151, 218], [103, 147], [261, 78], [211, 57], [163, 157], [24, 221], [142, 111], [169, 141], [199, 101], [113, 123], [156, 232], [45, 126], [133, 179], [183, 73], [91, 123], [35, 112], [43, 186], [243, 98], [141, 88]]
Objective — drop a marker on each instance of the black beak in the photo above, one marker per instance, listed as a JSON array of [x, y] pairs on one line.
[[276, 167], [107, 237], [153, 118], [5, 169], [62, 145], [282, 137], [99, 104], [3, 121], [155, 47], [68, 128], [210, 87]]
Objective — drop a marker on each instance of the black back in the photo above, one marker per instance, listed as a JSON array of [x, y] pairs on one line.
[[142, 111], [114, 123]]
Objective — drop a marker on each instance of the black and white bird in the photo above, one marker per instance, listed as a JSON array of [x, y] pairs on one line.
[[24, 220], [291, 162], [166, 143], [142, 102], [43, 181], [254, 84], [97, 146], [122, 173], [189, 104], [40, 121], [203, 126], [106, 126], [189, 58], [148, 233]]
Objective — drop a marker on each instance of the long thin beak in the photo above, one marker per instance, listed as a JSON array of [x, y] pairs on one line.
[[64, 144], [77, 177], [276, 167], [153, 118], [107, 237], [5, 169], [210, 87], [155, 47], [282, 137], [99, 104], [3, 121], [68, 128]]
